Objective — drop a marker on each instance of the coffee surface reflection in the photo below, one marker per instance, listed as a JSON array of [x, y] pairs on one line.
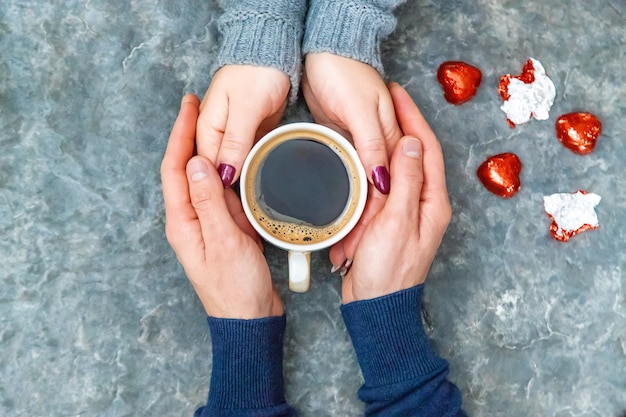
[[302, 186], [304, 182]]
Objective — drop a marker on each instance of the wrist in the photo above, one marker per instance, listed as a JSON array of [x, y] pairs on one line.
[[349, 30], [247, 363], [389, 337], [240, 309], [254, 33]]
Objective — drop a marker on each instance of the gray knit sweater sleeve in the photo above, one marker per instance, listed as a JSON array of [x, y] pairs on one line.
[[263, 32], [350, 28]]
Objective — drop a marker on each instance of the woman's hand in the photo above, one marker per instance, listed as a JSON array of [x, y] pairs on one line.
[[351, 98], [242, 103], [396, 241], [207, 228]]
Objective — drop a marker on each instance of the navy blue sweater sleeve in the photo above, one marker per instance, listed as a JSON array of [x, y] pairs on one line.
[[403, 375], [247, 375]]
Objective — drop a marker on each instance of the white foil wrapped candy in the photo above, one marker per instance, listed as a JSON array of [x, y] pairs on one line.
[[528, 95], [571, 213]]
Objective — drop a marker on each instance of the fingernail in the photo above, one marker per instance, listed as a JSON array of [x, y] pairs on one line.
[[227, 173], [411, 147], [344, 270], [197, 169], [380, 177], [345, 265], [336, 268], [186, 99]]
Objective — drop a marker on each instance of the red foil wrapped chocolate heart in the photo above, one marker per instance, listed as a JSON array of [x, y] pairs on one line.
[[459, 81], [500, 174], [578, 132]]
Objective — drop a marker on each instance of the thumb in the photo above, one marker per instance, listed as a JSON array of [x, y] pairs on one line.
[[207, 198], [407, 177]]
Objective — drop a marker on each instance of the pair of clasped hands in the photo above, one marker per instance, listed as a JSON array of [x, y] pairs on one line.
[[407, 210]]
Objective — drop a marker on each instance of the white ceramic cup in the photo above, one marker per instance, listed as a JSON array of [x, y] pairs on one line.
[[299, 249]]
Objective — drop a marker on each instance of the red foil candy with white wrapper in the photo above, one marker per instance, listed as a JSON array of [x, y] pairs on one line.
[[571, 213], [528, 95]]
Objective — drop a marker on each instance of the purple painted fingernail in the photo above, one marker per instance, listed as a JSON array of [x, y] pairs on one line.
[[227, 173], [380, 177]]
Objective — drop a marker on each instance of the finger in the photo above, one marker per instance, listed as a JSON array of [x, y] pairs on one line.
[[435, 205], [346, 248], [389, 123], [337, 256], [207, 198], [239, 216], [241, 128], [412, 123], [407, 178], [369, 141], [375, 203], [179, 150], [212, 122]]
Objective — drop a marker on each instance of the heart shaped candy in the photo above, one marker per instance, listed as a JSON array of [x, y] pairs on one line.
[[500, 174], [578, 132], [459, 81]]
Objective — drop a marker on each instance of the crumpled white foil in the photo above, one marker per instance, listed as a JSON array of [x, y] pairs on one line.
[[572, 212], [530, 100]]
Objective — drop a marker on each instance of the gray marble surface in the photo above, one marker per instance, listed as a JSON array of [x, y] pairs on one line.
[[97, 317]]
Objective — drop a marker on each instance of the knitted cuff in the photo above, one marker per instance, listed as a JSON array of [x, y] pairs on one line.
[[266, 34], [352, 29], [389, 338], [247, 363]]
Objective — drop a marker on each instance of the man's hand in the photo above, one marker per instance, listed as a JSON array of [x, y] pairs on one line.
[[207, 228]]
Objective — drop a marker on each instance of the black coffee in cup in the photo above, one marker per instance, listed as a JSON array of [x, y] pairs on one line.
[[302, 187], [303, 181]]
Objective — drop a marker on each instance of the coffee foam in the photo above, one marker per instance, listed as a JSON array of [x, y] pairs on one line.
[[299, 232]]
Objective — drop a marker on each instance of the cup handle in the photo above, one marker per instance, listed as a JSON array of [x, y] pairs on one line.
[[299, 271]]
